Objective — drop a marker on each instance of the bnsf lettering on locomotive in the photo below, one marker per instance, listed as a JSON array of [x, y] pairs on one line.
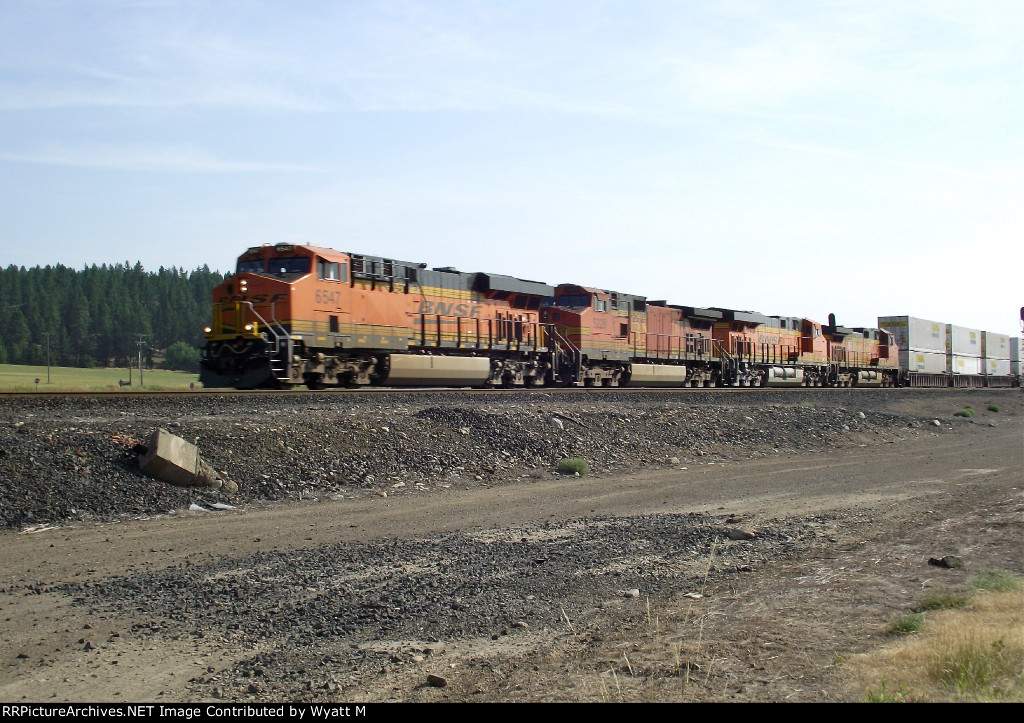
[[767, 339], [442, 308]]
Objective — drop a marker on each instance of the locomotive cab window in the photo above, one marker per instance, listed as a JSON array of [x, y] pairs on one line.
[[327, 271], [575, 300], [252, 266], [288, 265]]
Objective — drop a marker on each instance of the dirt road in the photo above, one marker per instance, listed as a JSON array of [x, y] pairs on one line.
[[610, 588]]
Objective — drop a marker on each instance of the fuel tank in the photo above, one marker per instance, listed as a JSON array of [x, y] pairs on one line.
[[785, 377], [657, 375], [409, 370], [869, 378]]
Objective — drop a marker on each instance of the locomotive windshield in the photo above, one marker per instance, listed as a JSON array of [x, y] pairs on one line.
[[282, 266], [575, 300], [285, 266], [252, 266]]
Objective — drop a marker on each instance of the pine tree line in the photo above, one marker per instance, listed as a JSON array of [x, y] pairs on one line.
[[95, 316]]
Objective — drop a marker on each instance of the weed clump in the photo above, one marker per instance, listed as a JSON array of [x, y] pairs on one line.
[[995, 581], [943, 601], [967, 411], [573, 465], [907, 623], [992, 407]]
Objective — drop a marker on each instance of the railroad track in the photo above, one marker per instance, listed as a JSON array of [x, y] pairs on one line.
[[446, 390]]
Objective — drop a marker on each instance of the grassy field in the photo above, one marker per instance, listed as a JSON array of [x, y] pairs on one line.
[[68, 379], [963, 647]]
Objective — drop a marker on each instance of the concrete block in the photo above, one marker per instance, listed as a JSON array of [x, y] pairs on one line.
[[175, 461]]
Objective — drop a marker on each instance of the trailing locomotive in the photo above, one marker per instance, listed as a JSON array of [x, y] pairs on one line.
[[295, 314]]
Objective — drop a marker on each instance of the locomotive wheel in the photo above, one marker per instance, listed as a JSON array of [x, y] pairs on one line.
[[314, 382]]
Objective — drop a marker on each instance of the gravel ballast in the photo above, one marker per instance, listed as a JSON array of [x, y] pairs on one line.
[[70, 459]]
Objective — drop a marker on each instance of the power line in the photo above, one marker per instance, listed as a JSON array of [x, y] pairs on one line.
[[141, 344]]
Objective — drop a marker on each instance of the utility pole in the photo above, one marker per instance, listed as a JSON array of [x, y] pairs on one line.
[[141, 344], [47, 335]]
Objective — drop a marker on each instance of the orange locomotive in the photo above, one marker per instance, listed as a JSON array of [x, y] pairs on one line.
[[617, 339], [307, 315], [793, 351], [297, 314]]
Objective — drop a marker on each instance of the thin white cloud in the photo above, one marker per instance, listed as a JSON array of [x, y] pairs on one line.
[[145, 158], [816, 149], [794, 61]]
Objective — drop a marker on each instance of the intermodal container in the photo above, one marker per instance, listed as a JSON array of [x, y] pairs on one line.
[[913, 334], [924, 362], [961, 341], [959, 364], [996, 367], [995, 346]]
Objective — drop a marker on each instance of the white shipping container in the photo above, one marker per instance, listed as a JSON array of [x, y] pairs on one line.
[[924, 362], [915, 334], [958, 364], [961, 341], [997, 367], [995, 346]]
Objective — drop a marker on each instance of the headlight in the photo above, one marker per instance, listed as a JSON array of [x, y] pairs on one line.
[[207, 329], [247, 327]]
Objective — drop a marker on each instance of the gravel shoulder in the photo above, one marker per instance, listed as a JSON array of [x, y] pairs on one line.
[[482, 567]]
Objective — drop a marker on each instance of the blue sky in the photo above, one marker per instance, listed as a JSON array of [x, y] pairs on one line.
[[800, 158]]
